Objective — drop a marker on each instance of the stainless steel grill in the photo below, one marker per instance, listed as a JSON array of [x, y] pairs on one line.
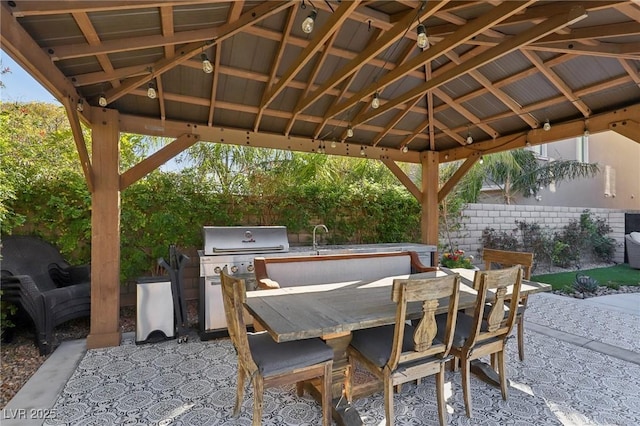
[[234, 247]]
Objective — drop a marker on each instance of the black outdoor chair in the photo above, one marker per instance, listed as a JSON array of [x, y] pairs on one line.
[[37, 279]]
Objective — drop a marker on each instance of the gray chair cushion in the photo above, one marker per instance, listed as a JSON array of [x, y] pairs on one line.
[[464, 325], [273, 358], [375, 343]]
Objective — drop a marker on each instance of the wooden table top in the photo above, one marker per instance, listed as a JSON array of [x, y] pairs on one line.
[[294, 313]]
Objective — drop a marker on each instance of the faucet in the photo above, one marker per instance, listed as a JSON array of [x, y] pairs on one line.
[[315, 244]]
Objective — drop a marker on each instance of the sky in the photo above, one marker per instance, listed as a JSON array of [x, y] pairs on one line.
[[20, 86]]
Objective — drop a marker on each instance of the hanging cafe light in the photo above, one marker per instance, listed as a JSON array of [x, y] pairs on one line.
[[206, 64], [375, 103], [423, 40], [307, 24], [151, 91]]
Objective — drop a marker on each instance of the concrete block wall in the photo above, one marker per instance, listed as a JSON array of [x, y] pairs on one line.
[[477, 217]]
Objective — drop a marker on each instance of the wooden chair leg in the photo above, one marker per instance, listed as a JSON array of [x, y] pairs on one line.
[[466, 385], [239, 391], [388, 400], [348, 383], [503, 374], [258, 395], [300, 389], [442, 410], [326, 396], [521, 337]]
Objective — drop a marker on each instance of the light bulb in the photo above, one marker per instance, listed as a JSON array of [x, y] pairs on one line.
[[375, 103], [80, 105], [586, 133], [206, 64], [469, 139], [307, 24], [481, 160], [405, 149], [349, 132], [151, 91], [546, 126], [362, 151], [102, 101], [333, 144], [423, 40]]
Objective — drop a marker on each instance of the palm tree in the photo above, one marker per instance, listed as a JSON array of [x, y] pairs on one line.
[[519, 172]]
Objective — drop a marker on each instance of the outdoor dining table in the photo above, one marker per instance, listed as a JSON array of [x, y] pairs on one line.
[[332, 311]]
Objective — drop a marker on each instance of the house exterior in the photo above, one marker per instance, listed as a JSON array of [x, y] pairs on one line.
[[616, 186]]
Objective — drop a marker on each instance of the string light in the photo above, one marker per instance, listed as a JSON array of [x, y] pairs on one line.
[[102, 101], [405, 149], [307, 24], [206, 64], [151, 91], [546, 126], [349, 131], [375, 103], [362, 151], [423, 40], [80, 105]]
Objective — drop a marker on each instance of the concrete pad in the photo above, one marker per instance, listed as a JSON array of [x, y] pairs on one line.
[[32, 404], [627, 302]]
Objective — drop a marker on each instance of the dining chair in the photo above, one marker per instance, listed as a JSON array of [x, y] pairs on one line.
[[486, 331], [401, 352], [268, 363], [503, 259]]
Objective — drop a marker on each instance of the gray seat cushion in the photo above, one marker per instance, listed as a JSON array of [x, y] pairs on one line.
[[273, 358], [464, 325], [375, 343]]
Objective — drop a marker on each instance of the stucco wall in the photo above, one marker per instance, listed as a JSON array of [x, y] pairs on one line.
[[477, 217]]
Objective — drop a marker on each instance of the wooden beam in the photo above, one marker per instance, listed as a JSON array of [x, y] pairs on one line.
[[48, 7], [503, 97], [312, 77], [628, 128], [552, 24], [167, 128], [221, 33], [70, 106], [429, 203], [321, 36], [403, 178], [399, 29], [21, 47], [214, 85], [459, 174], [105, 231], [559, 131], [458, 38], [157, 159], [556, 81]]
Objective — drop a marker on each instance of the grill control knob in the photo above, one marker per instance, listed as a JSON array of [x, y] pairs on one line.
[[234, 269], [217, 269], [250, 268]]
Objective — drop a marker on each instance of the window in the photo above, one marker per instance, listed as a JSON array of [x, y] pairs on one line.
[[582, 149], [539, 150]]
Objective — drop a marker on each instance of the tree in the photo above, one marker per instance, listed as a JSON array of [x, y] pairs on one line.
[[519, 172]]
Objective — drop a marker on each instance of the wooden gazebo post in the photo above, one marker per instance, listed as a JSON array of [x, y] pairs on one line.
[[429, 203], [105, 230]]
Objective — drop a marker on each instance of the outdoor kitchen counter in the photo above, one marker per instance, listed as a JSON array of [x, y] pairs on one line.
[[425, 252]]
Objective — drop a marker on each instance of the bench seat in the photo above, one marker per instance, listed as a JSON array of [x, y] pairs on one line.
[[277, 272]]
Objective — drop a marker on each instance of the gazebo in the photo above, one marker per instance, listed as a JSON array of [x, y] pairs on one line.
[[424, 82]]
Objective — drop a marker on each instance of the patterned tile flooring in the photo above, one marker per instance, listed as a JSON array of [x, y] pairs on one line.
[[194, 383]]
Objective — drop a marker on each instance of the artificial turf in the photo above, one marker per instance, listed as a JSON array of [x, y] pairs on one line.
[[612, 276]]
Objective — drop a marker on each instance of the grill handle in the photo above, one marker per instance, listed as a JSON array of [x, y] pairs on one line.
[[248, 249]]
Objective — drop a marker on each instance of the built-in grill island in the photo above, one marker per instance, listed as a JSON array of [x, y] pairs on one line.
[[234, 247]]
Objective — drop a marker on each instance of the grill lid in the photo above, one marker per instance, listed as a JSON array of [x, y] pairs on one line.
[[219, 240]]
